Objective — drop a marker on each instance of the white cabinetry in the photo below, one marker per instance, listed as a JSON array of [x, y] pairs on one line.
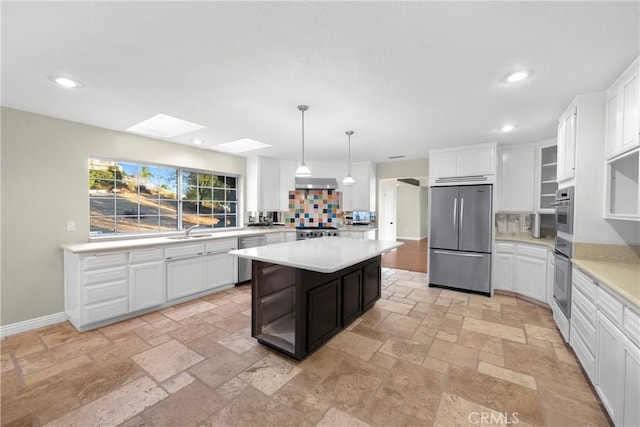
[[274, 238], [368, 234], [220, 268], [567, 143], [623, 122], [95, 287], [263, 184], [474, 163], [516, 179], [185, 275], [551, 268], [546, 176], [146, 279], [622, 189], [289, 236], [362, 195], [504, 266], [604, 335], [521, 268]]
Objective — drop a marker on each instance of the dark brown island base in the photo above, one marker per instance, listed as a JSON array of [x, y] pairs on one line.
[[295, 311], [305, 292]]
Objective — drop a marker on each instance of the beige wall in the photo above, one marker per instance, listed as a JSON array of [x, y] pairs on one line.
[[403, 169], [44, 177], [411, 212]]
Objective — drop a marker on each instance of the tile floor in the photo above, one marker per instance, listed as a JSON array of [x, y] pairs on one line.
[[422, 356]]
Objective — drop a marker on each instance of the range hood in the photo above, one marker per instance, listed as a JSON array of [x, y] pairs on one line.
[[316, 184]]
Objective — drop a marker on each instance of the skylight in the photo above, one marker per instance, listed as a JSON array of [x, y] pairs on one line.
[[240, 146], [164, 126]]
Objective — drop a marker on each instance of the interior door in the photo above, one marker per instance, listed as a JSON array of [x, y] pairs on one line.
[[389, 221], [444, 218], [475, 218]]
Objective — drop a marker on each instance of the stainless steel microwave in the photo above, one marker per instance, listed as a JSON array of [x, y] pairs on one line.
[[564, 210]]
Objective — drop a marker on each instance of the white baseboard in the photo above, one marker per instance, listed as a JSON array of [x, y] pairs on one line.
[[28, 325], [411, 238]]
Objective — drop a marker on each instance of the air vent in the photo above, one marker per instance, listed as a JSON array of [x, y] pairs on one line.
[[410, 181], [473, 178], [396, 157]]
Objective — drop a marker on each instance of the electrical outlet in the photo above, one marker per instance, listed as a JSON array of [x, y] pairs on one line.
[[71, 226]]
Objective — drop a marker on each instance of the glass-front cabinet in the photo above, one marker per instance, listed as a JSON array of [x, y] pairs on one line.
[[548, 178]]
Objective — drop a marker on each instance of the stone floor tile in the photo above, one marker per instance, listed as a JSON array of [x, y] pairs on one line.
[[442, 323], [494, 329], [543, 344], [194, 404], [46, 400], [160, 327], [188, 310], [56, 369], [547, 334], [232, 388], [311, 406], [238, 342], [405, 349], [10, 382], [167, 359], [220, 368], [424, 295], [480, 341], [121, 349], [456, 411], [36, 361], [6, 363], [494, 359], [507, 375], [399, 325], [394, 307], [383, 360], [436, 365], [564, 353], [93, 382], [354, 344], [446, 336], [270, 374], [233, 323], [322, 362], [336, 417], [80, 346], [533, 361], [115, 407], [454, 353], [118, 329], [177, 383], [21, 345]]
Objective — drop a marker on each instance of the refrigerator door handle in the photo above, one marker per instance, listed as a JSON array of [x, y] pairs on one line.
[[455, 212], [459, 254], [461, 211]]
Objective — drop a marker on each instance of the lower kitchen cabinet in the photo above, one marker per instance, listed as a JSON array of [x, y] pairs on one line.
[[521, 268], [610, 367], [219, 270], [323, 313], [631, 387], [351, 296], [184, 277], [295, 311], [147, 286]]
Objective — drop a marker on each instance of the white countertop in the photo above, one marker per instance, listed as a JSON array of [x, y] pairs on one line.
[[138, 243], [324, 254]]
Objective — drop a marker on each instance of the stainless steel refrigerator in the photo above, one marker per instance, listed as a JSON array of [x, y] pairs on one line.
[[460, 237]]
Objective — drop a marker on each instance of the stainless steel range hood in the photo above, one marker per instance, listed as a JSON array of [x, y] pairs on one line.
[[316, 184]]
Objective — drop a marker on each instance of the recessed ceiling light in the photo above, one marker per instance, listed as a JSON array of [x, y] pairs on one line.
[[65, 82], [517, 76], [240, 146], [197, 141], [164, 126], [507, 128]]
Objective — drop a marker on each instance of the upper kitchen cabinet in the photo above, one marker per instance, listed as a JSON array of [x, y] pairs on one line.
[[623, 122], [546, 176], [516, 179], [567, 135], [622, 192], [464, 164], [263, 184], [362, 195]]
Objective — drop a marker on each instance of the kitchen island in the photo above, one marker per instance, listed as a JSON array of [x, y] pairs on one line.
[[304, 292]]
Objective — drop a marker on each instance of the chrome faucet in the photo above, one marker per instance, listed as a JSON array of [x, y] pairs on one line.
[[188, 230]]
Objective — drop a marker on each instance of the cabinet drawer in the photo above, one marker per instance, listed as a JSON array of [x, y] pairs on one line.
[[104, 292], [96, 262], [505, 248], [106, 310], [584, 356], [183, 251], [631, 325], [139, 257], [610, 306], [586, 307], [586, 331], [586, 285], [223, 245], [532, 251], [274, 238], [104, 276]]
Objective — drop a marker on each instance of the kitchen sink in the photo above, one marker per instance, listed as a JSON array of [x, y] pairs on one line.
[[183, 237]]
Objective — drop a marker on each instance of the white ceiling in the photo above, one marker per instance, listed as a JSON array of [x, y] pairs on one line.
[[406, 77]]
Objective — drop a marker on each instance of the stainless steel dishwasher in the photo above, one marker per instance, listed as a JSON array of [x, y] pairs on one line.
[[244, 265]]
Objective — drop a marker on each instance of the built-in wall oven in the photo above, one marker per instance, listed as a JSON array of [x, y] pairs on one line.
[[562, 279], [564, 210]]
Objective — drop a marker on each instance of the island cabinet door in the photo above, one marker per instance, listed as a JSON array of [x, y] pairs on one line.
[[351, 297], [323, 313], [371, 284]]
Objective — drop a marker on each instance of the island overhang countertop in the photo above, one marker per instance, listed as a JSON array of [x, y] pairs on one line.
[[323, 255]]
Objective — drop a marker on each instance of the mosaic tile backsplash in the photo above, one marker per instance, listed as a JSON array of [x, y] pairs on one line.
[[314, 208]]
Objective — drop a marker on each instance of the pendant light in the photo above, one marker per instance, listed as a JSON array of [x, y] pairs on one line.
[[303, 170], [348, 180]]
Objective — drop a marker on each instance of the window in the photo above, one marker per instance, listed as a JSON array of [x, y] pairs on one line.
[[128, 198]]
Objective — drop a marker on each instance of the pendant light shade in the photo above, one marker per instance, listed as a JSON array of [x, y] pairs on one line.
[[303, 170], [348, 180]]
